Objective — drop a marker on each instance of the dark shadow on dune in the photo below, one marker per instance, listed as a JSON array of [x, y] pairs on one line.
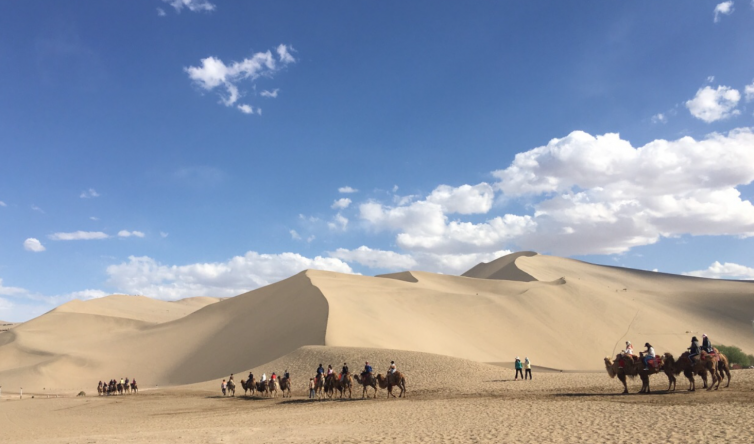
[[619, 395], [310, 401]]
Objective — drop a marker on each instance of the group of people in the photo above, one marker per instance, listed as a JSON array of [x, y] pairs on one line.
[[323, 373], [113, 386], [521, 366], [273, 377], [694, 351]]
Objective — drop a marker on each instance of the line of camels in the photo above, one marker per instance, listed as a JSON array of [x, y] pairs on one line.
[[714, 364], [325, 386]]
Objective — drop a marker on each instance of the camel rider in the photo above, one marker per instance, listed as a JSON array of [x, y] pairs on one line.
[[367, 369], [650, 354], [694, 350], [343, 371], [286, 375], [392, 368], [231, 377], [122, 381], [251, 376], [274, 376], [329, 370], [126, 380], [264, 377], [629, 349], [706, 344], [321, 372]]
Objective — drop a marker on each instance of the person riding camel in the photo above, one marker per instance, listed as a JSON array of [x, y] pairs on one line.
[[264, 377], [629, 349], [321, 372], [286, 375], [650, 354], [251, 376], [231, 377], [694, 350], [392, 368], [343, 371], [274, 376], [329, 371], [706, 344], [367, 369]]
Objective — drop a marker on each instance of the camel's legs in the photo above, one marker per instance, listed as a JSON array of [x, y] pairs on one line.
[[622, 379]]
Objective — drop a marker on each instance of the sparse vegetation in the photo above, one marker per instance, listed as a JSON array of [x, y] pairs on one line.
[[736, 355]]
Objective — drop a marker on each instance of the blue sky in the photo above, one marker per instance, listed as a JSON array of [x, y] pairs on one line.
[[191, 147]]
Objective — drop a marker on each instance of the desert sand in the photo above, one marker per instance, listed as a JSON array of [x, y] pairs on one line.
[[565, 315]]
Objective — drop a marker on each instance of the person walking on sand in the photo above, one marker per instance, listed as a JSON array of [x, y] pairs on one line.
[[527, 367], [224, 387], [311, 388], [519, 368]]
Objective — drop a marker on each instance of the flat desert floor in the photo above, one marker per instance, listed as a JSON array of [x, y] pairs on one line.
[[481, 404]]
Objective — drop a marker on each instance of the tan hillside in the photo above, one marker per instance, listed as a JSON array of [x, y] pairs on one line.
[[569, 315], [502, 268]]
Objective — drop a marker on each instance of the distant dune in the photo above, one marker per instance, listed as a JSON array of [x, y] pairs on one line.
[[562, 313]]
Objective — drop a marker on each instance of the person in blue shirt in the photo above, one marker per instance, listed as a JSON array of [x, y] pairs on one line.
[[367, 369]]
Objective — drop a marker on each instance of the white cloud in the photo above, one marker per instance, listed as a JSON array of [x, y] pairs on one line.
[[32, 244], [88, 194], [295, 235], [728, 270], [465, 199], [387, 260], [724, 8], [711, 104], [94, 218], [246, 109], [659, 118], [191, 5], [144, 275], [339, 222], [37, 209], [341, 203], [601, 195], [272, 94], [710, 79], [126, 233], [163, 234], [311, 238], [5, 304], [3, 204], [214, 73], [84, 295], [347, 190], [10, 291], [161, 12], [79, 235], [749, 92]]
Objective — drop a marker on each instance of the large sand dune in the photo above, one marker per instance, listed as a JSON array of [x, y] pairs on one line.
[[562, 313]]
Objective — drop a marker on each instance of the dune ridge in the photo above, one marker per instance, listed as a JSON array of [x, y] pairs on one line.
[[566, 315]]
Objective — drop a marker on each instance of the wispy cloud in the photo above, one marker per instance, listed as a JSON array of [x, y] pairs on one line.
[[2, 204], [126, 233], [37, 209], [273, 93], [191, 5], [724, 8], [32, 244], [161, 12], [163, 234], [78, 235], [88, 194], [295, 235], [347, 190], [214, 73]]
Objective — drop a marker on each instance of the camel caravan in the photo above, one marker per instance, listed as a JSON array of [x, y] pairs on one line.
[[326, 384], [124, 387], [701, 361]]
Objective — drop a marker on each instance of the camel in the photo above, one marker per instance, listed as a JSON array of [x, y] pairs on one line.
[[120, 388], [345, 383], [262, 388], [706, 364], [367, 380], [285, 386], [392, 380], [273, 387], [632, 366], [134, 387], [231, 388], [248, 385], [319, 386], [100, 391]]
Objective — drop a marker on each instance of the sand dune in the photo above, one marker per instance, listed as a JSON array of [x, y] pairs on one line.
[[561, 313]]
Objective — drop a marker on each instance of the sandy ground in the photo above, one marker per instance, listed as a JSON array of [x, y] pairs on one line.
[[448, 400]]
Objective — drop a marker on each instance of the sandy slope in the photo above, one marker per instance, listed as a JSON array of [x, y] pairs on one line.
[[562, 313]]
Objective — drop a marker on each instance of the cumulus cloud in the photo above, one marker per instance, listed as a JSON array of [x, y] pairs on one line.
[[749, 92], [32, 244], [347, 190], [79, 235], [465, 199], [339, 222], [246, 109], [126, 233], [144, 275], [214, 73], [724, 8], [272, 94], [728, 270], [711, 105], [387, 260], [191, 5], [88, 194], [601, 195], [341, 203]]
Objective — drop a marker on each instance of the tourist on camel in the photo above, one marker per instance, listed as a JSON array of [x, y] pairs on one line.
[[320, 372], [343, 371], [629, 349], [367, 369], [392, 368], [329, 370], [650, 354], [694, 350], [706, 344]]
